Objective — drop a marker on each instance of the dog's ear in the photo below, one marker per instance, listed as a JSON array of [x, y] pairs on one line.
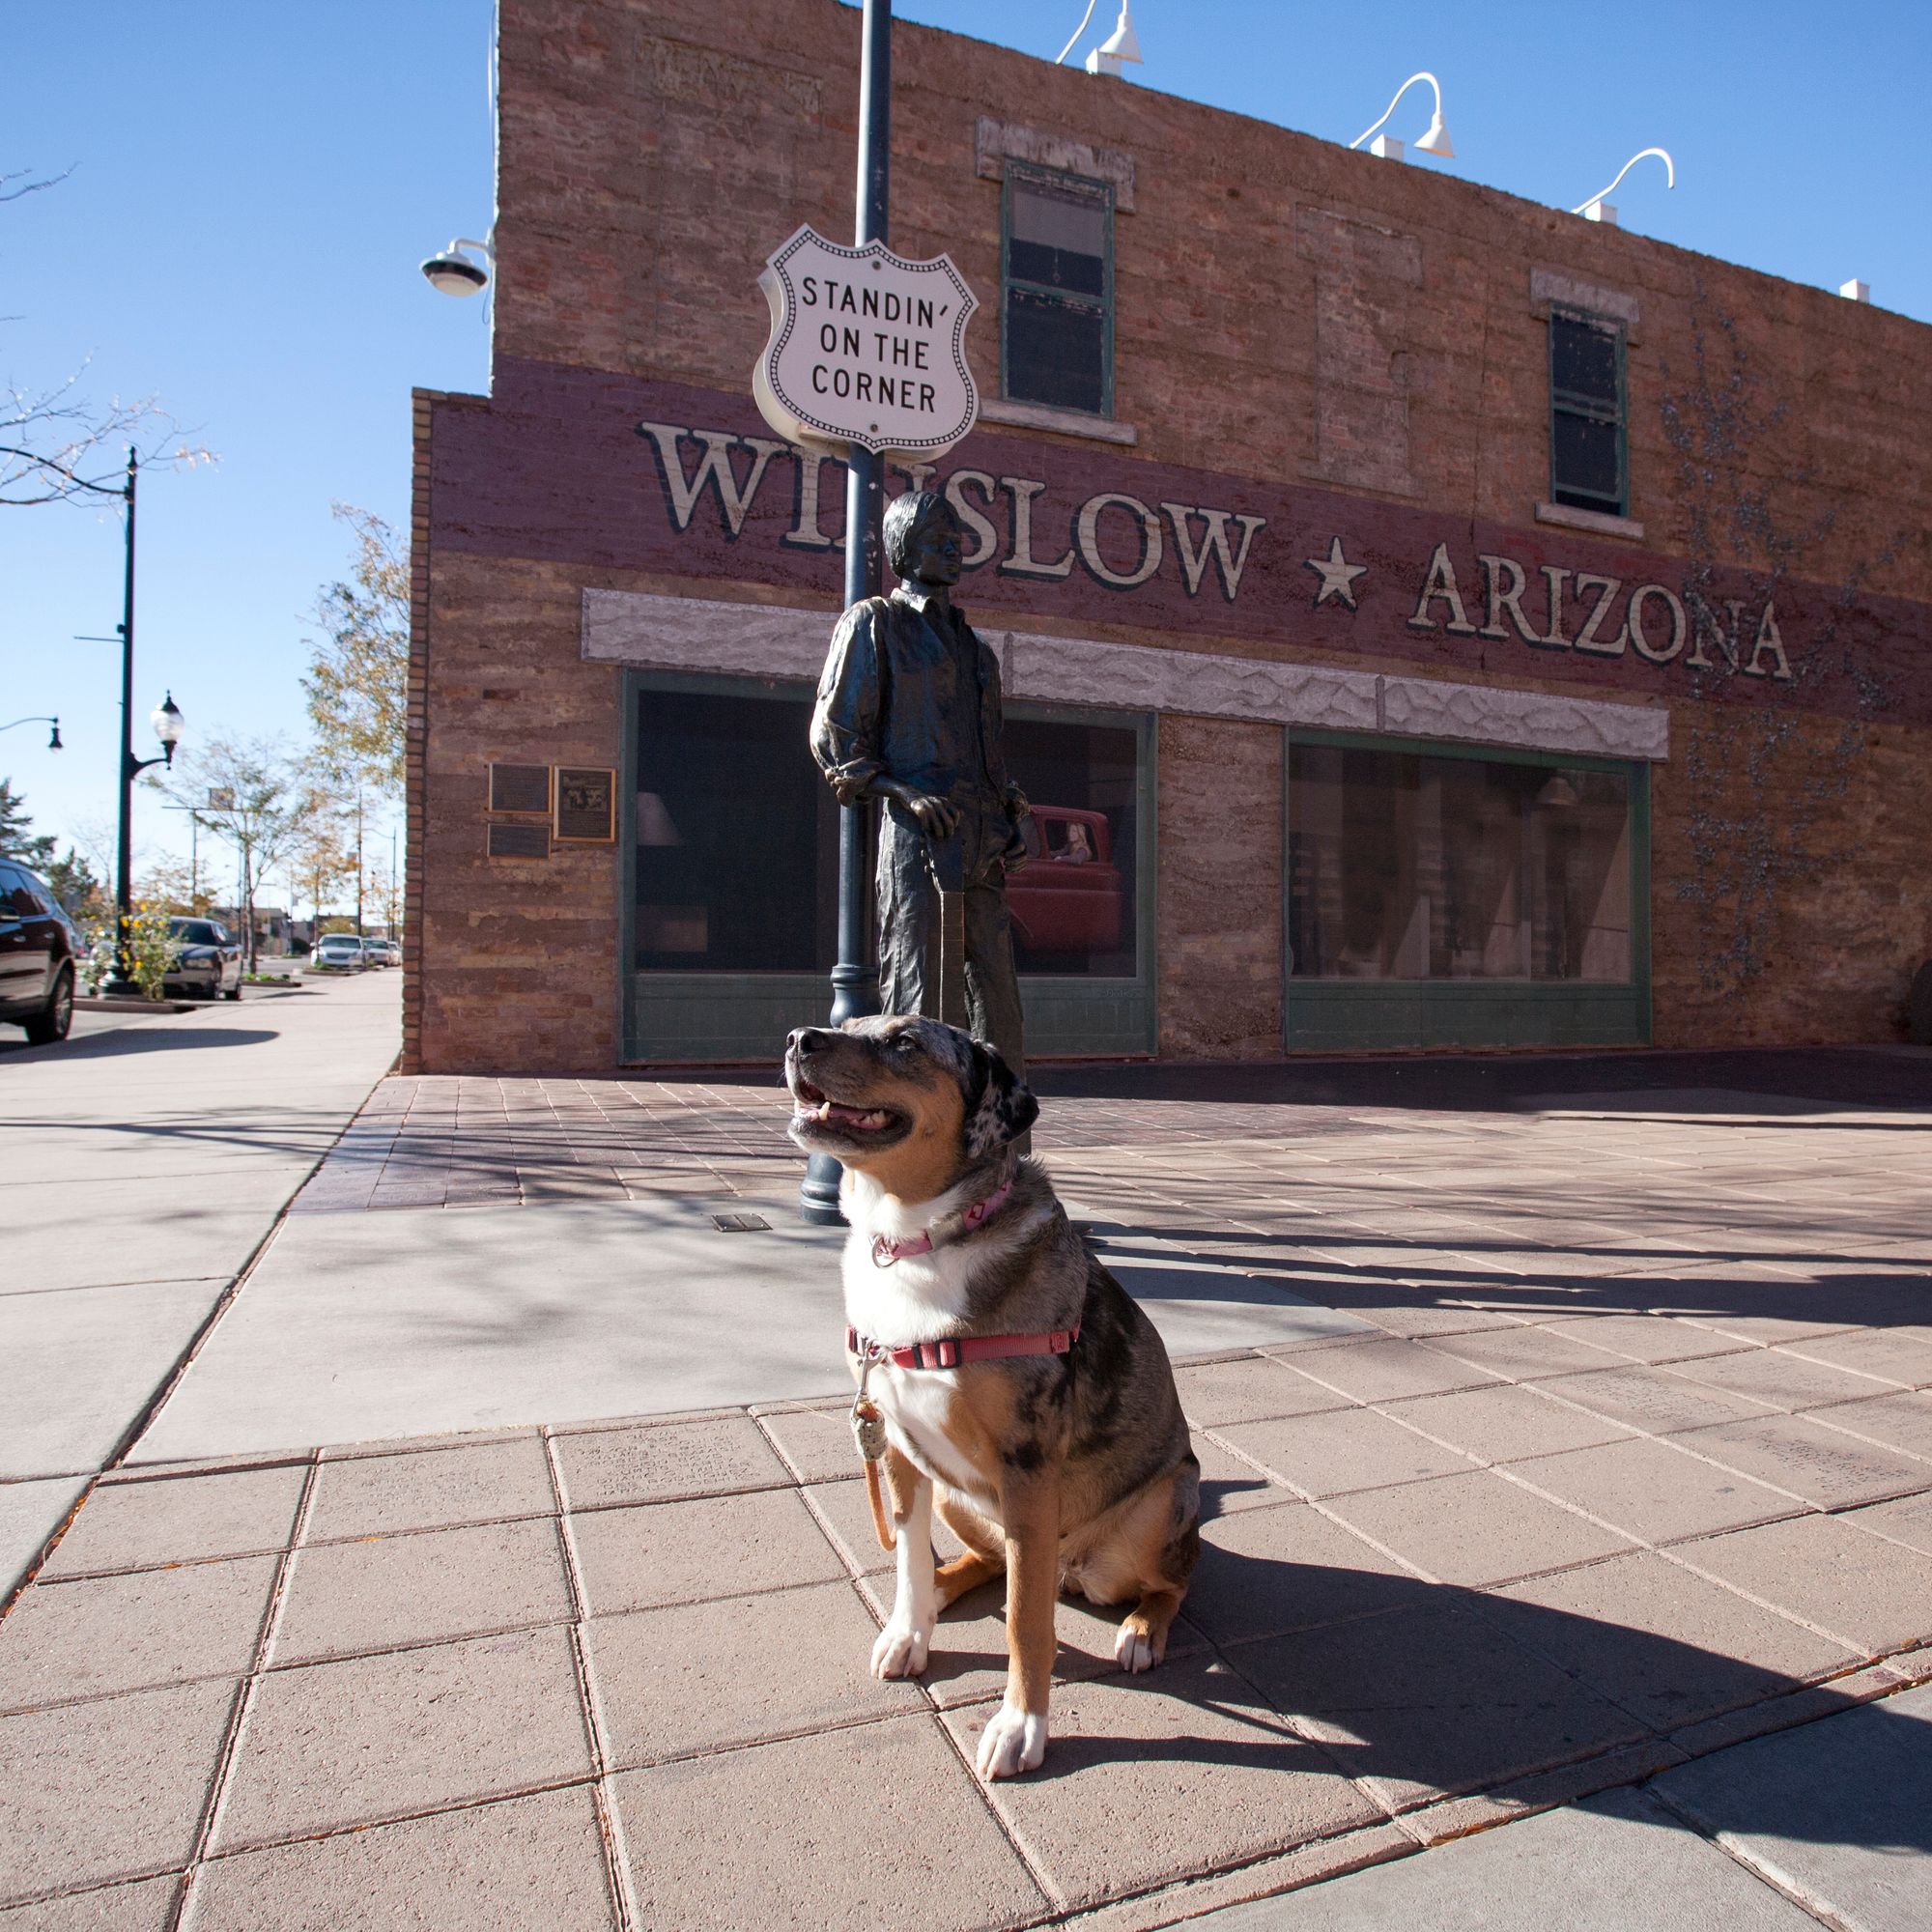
[[1003, 1106]]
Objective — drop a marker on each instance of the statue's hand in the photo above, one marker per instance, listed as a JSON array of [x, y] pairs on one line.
[[937, 817]]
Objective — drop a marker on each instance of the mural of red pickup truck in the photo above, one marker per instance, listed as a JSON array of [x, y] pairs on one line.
[[1067, 898]]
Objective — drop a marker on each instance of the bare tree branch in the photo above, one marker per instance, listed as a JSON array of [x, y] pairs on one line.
[[56, 447], [8, 194]]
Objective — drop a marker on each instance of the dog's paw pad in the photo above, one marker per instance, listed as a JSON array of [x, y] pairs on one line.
[[1013, 1740], [1133, 1649], [900, 1652]]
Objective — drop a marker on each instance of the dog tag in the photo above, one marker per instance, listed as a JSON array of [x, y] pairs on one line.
[[869, 1430]]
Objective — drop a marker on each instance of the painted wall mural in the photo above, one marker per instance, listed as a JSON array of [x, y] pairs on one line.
[[604, 471]]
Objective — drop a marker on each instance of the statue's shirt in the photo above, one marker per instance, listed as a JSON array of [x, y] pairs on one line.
[[910, 693]]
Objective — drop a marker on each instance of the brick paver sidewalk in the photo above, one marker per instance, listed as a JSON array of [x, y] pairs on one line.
[[1635, 1462]]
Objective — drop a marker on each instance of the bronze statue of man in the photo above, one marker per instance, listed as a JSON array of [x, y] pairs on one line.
[[908, 712]]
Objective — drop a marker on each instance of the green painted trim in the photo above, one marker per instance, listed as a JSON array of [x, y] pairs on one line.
[[1331, 1014], [1639, 897], [632, 685], [1100, 191], [1287, 948]]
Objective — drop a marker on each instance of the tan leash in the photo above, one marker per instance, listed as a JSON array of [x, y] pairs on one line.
[[868, 1431]]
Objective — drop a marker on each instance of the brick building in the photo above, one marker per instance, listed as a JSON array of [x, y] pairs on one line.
[[1426, 617]]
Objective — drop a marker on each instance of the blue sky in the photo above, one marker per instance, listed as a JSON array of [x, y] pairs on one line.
[[253, 185]]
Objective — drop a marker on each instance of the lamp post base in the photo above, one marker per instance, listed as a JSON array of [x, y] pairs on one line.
[[818, 1193], [855, 995]]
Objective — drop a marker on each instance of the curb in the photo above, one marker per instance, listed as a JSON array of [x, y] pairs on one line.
[[88, 1002]]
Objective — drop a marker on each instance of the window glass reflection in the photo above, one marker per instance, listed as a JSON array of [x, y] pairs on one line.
[[737, 838], [737, 841], [1072, 903], [1406, 867]]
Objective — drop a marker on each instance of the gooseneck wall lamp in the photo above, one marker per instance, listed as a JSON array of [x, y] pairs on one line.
[[1434, 139], [1119, 49], [1597, 207], [54, 743], [453, 273]]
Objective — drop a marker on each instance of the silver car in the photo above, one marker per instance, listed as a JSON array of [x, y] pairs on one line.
[[340, 952]]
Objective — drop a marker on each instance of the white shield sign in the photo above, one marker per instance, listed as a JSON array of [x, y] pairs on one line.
[[866, 348]]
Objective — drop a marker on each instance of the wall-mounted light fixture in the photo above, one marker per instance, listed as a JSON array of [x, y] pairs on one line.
[[1118, 49], [1115, 51], [454, 273], [1597, 207], [1434, 139]]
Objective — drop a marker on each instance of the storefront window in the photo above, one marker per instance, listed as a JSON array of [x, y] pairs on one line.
[[1072, 904], [1406, 866], [737, 839]]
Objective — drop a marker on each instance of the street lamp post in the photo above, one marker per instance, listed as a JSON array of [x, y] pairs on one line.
[[54, 743], [855, 979], [167, 721]]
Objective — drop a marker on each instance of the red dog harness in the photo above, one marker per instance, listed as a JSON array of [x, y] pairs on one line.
[[950, 1354]]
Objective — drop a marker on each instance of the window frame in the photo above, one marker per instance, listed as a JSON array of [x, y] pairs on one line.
[[1570, 402], [1331, 1015], [668, 1018], [1086, 188]]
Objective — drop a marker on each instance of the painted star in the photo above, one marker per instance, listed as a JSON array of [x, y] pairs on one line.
[[1338, 575]]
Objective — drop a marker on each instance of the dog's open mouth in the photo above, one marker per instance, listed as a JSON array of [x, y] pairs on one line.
[[812, 1108]]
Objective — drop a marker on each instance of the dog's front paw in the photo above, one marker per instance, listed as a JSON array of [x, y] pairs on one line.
[[1014, 1741], [1134, 1648], [900, 1651]]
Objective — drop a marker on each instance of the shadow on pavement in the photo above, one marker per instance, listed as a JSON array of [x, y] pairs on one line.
[[1851, 1289], [1432, 1690], [1823, 1076], [144, 1037]]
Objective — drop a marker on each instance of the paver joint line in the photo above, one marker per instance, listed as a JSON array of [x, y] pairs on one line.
[[609, 1819], [1478, 1362], [264, 1644]]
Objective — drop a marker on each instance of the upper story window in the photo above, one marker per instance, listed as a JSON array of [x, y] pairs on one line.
[[1588, 467], [1057, 345]]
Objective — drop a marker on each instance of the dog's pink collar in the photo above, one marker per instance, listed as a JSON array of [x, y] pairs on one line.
[[950, 1354], [886, 1250]]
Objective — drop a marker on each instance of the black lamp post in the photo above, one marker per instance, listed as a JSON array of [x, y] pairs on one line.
[[855, 979], [54, 743]]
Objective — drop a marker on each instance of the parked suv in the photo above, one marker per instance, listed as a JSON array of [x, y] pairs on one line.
[[207, 960], [39, 953]]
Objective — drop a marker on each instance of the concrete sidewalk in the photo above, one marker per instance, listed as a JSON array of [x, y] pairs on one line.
[[1522, 1488], [142, 1163]]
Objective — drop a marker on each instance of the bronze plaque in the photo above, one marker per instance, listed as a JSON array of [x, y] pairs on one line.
[[517, 840], [520, 788], [587, 805]]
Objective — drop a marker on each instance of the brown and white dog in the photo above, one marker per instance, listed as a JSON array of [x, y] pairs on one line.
[[1065, 1466]]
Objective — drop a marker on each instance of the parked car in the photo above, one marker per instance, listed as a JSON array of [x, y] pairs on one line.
[[207, 960], [339, 952], [1069, 898], [40, 954], [392, 951], [381, 952]]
